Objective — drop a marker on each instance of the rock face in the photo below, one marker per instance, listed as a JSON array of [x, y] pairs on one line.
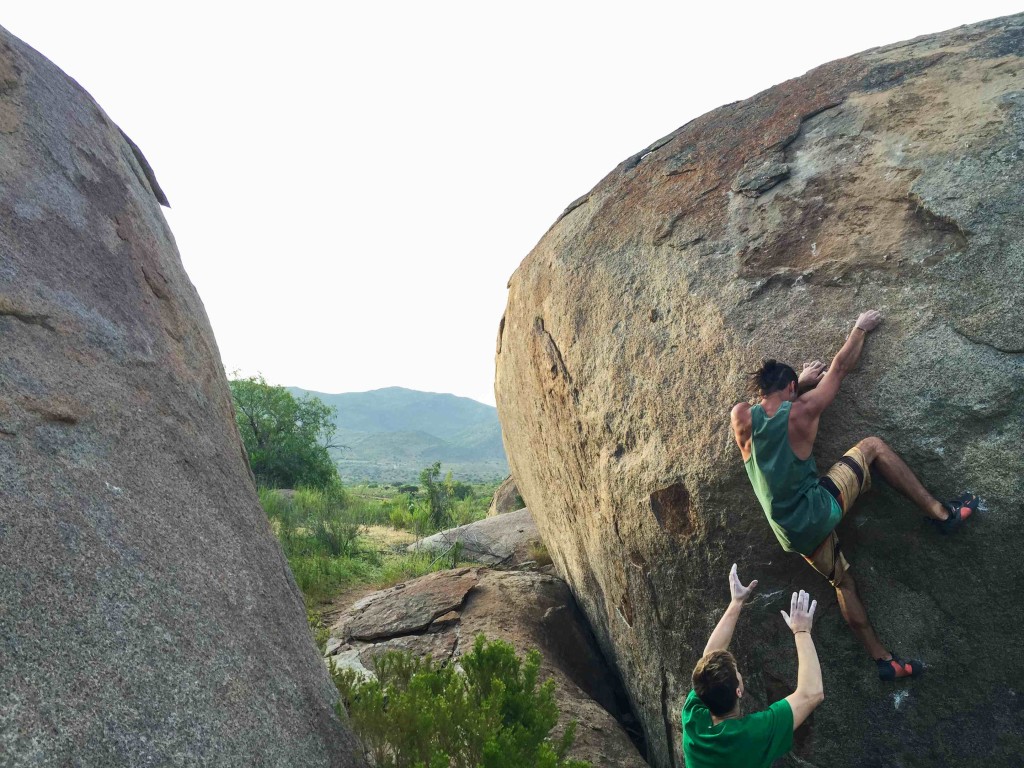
[[526, 609], [409, 607], [506, 499], [147, 615], [893, 179], [503, 540]]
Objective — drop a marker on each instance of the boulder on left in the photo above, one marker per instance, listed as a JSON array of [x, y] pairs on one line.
[[147, 614]]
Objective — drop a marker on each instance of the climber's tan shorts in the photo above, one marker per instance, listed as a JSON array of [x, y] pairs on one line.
[[847, 479], [828, 560]]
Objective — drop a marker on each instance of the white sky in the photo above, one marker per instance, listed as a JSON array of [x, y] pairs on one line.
[[353, 183]]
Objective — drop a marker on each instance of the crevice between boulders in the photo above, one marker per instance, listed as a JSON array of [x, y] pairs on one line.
[[666, 715]]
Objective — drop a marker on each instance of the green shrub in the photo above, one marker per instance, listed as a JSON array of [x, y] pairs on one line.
[[466, 511], [370, 511], [314, 521], [539, 553], [409, 515], [316, 501], [438, 494], [273, 503], [400, 517], [419, 714], [319, 629], [335, 534]]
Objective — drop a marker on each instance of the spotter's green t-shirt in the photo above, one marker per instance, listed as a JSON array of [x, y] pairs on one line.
[[754, 741]]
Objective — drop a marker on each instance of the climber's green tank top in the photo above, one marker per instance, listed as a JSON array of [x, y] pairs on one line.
[[799, 510]]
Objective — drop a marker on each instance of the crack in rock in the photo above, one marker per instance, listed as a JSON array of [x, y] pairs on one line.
[[666, 715], [980, 343], [44, 321]]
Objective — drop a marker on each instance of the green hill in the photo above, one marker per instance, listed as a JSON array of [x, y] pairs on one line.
[[391, 434]]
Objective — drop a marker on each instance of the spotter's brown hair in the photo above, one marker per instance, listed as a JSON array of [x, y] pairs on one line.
[[715, 681]]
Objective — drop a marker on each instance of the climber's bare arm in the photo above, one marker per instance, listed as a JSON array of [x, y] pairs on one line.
[[811, 404], [722, 634], [742, 428]]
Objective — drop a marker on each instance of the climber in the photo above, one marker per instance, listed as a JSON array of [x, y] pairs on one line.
[[776, 438], [714, 731]]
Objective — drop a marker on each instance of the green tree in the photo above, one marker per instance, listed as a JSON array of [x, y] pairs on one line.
[[420, 714], [438, 495], [287, 438], [459, 489]]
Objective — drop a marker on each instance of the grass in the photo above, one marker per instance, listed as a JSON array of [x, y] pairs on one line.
[[539, 554], [336, 539]]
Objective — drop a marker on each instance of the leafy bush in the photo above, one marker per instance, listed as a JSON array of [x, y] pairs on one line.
[[372, 511], [444, 503], [318, 628], [539, 554], [318, 531], [466, 511], [322, 534], [400, 516], [419, 714], [410, 515], [334, 534]]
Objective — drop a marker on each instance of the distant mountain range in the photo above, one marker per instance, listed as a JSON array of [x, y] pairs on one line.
[[391, 434]]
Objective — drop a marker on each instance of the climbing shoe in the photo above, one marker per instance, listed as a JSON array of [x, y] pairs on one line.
[[959, 509], [898, 669]]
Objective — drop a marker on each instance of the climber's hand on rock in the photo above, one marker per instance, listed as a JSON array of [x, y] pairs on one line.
[[800, 617], [810, 375], [868, 321], [738, 591]]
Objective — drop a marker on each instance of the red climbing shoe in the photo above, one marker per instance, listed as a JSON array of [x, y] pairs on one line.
[[898, 669], [960, 509]]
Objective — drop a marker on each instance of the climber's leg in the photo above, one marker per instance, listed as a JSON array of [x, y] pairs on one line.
[[878, 455]]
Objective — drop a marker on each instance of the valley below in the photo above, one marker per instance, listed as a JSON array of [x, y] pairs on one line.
[[388, 435]]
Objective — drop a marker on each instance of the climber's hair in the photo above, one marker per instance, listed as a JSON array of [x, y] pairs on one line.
[[715, 681], [772, 376]]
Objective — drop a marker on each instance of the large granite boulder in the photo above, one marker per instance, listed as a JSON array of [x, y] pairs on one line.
[[506, 540], [893, 179], [506, 498], [440, 614], [147, 615]]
